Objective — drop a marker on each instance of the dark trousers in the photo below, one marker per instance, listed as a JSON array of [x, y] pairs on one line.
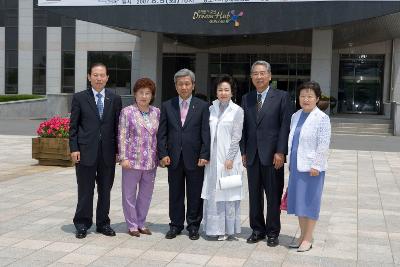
[[266, 179], [194, 182], [87, 176]]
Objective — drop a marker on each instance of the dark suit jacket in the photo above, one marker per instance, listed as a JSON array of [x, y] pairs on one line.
[[192, 139], [86, 127], [268, 132]]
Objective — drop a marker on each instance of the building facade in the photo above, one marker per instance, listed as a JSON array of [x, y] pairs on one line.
[[355, 56]]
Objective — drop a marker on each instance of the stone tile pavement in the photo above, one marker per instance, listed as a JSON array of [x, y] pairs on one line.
[[359, 223]]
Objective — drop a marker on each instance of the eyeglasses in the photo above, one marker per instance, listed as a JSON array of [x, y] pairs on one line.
[[307, 97], [261, 73]]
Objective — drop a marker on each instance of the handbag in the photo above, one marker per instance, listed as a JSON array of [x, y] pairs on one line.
[[284, 201], [231, 181]]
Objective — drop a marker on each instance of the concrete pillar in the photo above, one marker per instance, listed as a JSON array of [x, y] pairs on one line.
[[201, 73], [53, 60], [335, 78], [396, 86], [2, 60], [81, 50], [25, 46], [321, 60], [151, 60]]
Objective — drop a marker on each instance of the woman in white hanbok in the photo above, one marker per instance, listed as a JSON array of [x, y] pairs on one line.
[[221, 209]]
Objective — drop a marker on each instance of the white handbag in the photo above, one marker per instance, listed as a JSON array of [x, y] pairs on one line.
[[230, 181]]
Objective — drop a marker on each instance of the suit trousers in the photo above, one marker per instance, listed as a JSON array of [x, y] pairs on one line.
[[136, 203], [87, 176], [177, 178], [266, 179]]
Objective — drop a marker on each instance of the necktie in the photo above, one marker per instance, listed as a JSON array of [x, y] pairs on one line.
[[184, 111], [100, 106], [259, 102]]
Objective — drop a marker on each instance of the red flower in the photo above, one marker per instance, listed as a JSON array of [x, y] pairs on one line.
[[55, 127]]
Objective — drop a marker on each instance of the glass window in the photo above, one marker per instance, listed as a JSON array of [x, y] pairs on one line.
[[68, 38], [39, 77], [69, 59], [39, 38], [39, 59], [11, 18], [12, 59], [53, 20], [11, 34], [11, 4], [11, 80], [119, 68], [69, 77]]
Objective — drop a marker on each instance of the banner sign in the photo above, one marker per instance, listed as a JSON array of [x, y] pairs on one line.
[[164, 2]]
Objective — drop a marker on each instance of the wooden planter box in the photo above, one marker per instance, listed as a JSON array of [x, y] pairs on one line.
[[52, 151]]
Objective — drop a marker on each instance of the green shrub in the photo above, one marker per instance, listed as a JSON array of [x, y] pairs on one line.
[[8, 98]]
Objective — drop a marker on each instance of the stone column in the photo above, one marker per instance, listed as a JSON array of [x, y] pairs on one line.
[[81, 50], [57, 102], [2, 61], [321, 60], [53, 60], [396, 87], [201, 73], [25, 46], [151, 60]]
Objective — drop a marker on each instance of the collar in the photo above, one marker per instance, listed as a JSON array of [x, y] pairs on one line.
[[102, 92], [187, 100], [263, 94]]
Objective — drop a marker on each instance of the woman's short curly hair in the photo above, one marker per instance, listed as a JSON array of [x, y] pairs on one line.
[[145, 83]]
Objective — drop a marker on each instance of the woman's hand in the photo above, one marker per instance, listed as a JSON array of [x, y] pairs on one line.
[[125, 164], [228, 164], [314, 172]]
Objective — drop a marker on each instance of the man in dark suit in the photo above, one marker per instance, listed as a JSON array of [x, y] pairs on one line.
[[93, 144], [264, 144], [184, 146]]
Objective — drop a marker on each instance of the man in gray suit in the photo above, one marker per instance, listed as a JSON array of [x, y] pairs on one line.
[[264, 144]]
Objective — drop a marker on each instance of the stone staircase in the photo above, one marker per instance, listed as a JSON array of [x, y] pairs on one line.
[[360, 124]]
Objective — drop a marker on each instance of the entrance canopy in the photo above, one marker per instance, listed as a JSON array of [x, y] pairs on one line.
[[226, 19]]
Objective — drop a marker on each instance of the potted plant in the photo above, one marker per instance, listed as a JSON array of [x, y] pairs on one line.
[[323, 102], [52, 146]]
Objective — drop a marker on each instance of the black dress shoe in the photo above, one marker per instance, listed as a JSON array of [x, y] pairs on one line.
[[105, 230], [254, 238], [194, 234], [172, 233], [81, 233], [272, 241]]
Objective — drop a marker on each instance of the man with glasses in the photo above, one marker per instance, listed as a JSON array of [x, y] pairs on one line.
[[264, 144]]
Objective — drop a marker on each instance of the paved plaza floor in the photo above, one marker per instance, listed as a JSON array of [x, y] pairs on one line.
[[359, 223]]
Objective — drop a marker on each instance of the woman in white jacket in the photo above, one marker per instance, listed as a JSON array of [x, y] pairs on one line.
[[221, 209], [309, 138]]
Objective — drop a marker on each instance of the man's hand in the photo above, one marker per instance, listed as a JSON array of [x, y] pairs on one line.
[[228, 164], [244, 160], [202, 162], [279, 159], [314, 172], [125, 164], [76, 156], [165, 161]]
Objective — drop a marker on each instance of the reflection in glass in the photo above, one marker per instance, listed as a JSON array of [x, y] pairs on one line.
[[360, 83]]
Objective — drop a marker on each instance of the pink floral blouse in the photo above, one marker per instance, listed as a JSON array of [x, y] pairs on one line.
[[137, 137]]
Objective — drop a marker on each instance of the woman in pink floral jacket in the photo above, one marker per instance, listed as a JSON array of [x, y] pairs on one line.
[[137, 142]]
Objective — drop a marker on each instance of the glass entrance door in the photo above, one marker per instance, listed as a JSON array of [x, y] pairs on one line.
[[360, 84]]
